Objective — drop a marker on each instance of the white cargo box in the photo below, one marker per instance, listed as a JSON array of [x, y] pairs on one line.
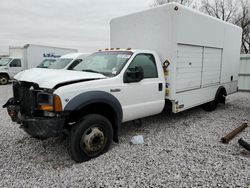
[[33, 54], [203, 51]]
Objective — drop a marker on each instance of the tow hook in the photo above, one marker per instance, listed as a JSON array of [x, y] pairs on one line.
[[12, 109], [11, 101]]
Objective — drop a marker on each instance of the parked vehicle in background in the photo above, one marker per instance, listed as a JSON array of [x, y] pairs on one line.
[[68, 61], [8, 68], [179, 58], [26, 57], [46, 63]]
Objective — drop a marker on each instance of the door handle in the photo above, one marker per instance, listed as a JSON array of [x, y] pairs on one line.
[[160, 87]]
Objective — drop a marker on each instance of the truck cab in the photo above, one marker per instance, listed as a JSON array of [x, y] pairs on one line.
[[90, 103], [9, 66]]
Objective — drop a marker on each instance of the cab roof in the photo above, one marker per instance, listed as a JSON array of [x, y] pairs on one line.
[[128, 50], [74, 55]]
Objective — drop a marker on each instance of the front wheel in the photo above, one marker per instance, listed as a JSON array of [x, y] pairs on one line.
[[90, 137], [3, 80]]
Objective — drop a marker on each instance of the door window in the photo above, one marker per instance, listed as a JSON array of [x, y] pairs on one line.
[[147, 62], [16, 63], [75, 63]]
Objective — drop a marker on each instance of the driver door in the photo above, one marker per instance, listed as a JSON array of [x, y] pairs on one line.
[[15, 66], [146, 97]]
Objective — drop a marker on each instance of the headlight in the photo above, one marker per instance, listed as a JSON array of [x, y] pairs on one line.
[[49, 102]]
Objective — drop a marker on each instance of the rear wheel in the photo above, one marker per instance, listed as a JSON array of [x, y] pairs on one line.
[[219, 98], [90, 137], [4, 80], [210, 106]]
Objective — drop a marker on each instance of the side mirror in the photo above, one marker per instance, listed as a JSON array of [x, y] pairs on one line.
[[133, 75]]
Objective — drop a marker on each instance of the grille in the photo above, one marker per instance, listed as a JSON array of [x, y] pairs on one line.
[[25, 97]]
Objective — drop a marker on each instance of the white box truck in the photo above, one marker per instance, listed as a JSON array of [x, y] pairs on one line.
[[26, 57], [178, 58]]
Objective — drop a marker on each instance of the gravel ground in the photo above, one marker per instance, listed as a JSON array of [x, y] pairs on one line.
[[182, 150]]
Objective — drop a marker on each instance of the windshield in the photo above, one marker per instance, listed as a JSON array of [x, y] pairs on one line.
[[4, 61], [46, 63], [60, 63], [108, 63]]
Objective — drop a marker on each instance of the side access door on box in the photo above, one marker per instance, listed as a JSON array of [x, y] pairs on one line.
[[198, 75]]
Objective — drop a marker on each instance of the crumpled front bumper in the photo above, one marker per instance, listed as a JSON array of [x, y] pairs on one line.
[[41, 127]]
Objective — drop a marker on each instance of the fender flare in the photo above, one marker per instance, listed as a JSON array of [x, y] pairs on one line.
[[84, 99]]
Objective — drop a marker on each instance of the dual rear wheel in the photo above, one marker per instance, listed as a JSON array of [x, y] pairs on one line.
[[219, 98]]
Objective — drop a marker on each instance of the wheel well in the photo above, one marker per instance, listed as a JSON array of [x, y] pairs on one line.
[[97, 108], [221, 95], [5, 74]]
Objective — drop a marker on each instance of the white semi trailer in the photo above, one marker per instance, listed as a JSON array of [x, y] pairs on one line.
[[26, 57], [178, 57]]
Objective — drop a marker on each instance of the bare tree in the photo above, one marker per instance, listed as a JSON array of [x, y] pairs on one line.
[[183, 2], [234, 11], [223, 9], [243, 21]]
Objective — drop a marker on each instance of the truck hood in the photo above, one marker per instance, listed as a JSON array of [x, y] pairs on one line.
[[3, 68], [51, 78]]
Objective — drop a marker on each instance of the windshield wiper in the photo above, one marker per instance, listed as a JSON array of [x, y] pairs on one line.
[[90, 70]]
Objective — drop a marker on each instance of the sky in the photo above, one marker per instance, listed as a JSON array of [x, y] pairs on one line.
[[79, 24]]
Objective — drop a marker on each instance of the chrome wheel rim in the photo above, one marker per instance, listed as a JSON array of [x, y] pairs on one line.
[[93, 141], [3, 80]]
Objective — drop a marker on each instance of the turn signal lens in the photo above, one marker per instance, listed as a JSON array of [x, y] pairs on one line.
[[57, 104], [46, 107]]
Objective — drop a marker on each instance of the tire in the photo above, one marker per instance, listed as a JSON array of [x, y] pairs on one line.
[[90, 137], [210, 106], [220, 97], [4, 80]]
